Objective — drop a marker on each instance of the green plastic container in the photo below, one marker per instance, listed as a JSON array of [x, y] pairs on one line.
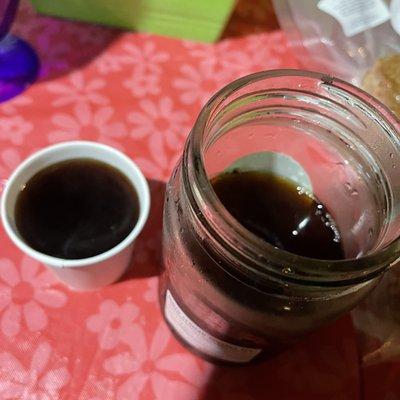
[[201, 20]]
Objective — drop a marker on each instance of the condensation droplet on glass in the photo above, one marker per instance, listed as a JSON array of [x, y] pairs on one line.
[[320, 206], [348, 186], [391, 155], [287, 270], [295, 233], [370, 233], [287, 308], [354, 192], [393, 166]]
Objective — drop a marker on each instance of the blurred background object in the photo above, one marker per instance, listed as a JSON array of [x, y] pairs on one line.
[[383, 81], [341, 37], [251, 16], [199, 20], [358, 41], [19, 64]]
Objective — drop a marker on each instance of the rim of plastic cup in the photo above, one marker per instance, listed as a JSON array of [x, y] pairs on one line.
[[144, 209]]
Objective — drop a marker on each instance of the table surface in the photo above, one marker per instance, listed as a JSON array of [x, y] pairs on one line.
[[140, 93]]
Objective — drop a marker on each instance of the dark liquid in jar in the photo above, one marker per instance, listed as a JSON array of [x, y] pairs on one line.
[[209, 285], [76, 209], [279, 212]]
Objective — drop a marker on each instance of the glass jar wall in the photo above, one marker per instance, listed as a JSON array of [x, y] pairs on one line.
[[228, 294]]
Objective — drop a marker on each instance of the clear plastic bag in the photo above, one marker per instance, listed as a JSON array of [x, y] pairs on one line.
[[377, 321], [341, 37], [356, 40]]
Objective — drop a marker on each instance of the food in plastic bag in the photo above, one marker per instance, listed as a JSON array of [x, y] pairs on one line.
[[358, 41], [383, 81], [341, 37], [378, 321]]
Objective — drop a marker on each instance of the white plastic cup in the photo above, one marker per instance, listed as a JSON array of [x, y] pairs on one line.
[[86, 273]]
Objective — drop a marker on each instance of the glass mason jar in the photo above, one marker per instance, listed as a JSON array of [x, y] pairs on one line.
[[231, 296]]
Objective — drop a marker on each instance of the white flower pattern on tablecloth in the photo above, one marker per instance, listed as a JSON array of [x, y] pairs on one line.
[[12, 106], [9, 160], [78, 90], [158, 165], [86, 123], [145, 56], [24, 295], [108, 63], [175, 376], [151, 294], [37, 382], [145, 59], [199, 83], [113, 323], [160, 119], [262, 52], [14, 129], [221, 54], [143, 83], [259, 52]]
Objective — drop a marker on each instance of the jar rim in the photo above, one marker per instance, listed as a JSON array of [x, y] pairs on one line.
[[301, 268]]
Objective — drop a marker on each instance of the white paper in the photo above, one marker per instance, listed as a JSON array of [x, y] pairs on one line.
[[356, 16], [395, 15], [200, 339]]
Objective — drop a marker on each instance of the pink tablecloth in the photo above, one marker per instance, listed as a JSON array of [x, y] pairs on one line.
[[141, 94]]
